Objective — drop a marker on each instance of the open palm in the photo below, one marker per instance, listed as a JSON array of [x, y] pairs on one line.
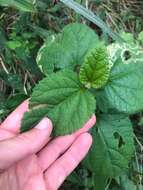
[[32, 160]]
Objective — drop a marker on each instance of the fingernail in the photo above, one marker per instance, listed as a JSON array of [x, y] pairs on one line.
[[44, 124]]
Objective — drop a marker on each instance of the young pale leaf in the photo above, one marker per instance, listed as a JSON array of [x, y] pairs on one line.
[[66, 102], [95, 70], [124, 90], [67, 49], [112, 147]]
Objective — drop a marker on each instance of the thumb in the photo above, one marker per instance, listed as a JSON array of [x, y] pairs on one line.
[[23, 145]]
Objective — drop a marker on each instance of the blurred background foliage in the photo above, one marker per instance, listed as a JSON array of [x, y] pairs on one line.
[[24, 26]]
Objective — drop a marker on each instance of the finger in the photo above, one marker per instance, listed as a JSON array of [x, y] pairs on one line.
[[87, 126], [23, 145], [53, 150], [4, 134], [68, 162], [13, 121], [58, 146]]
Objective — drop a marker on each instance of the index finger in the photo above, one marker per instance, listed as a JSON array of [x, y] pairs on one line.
[[63, 166], [13, 122]]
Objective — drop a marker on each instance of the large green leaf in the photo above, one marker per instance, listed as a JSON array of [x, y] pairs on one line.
[[95, 70], [67, 49], [124, 90], [60, 97], [112, 147]]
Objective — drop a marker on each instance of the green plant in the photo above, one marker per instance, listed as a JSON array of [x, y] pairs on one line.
[[23, 5], [83, 76], [22, 32]]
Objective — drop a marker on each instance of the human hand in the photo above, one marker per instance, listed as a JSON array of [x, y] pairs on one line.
[[32, 161]]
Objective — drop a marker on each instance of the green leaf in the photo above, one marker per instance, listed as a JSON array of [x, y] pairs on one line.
[[126, 183], [95, 70], [33, 117], [128, 37], [49, 56], [99, 181], [12, 80], [124, 90], [68, 49], [23, 5], [61, 97], [13, 44], [112, 147], [140, 37]]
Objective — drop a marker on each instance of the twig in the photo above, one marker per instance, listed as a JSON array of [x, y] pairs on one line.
[[3, 66]]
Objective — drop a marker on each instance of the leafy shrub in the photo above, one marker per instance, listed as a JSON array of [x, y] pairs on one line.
[[83, 76]]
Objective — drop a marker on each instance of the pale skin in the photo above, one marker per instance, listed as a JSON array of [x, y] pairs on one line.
[[32, 160]]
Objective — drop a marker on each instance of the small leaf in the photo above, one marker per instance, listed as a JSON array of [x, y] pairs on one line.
[[13, 44], [67, 49], [61, 97], [106, 158], [95, 70]]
